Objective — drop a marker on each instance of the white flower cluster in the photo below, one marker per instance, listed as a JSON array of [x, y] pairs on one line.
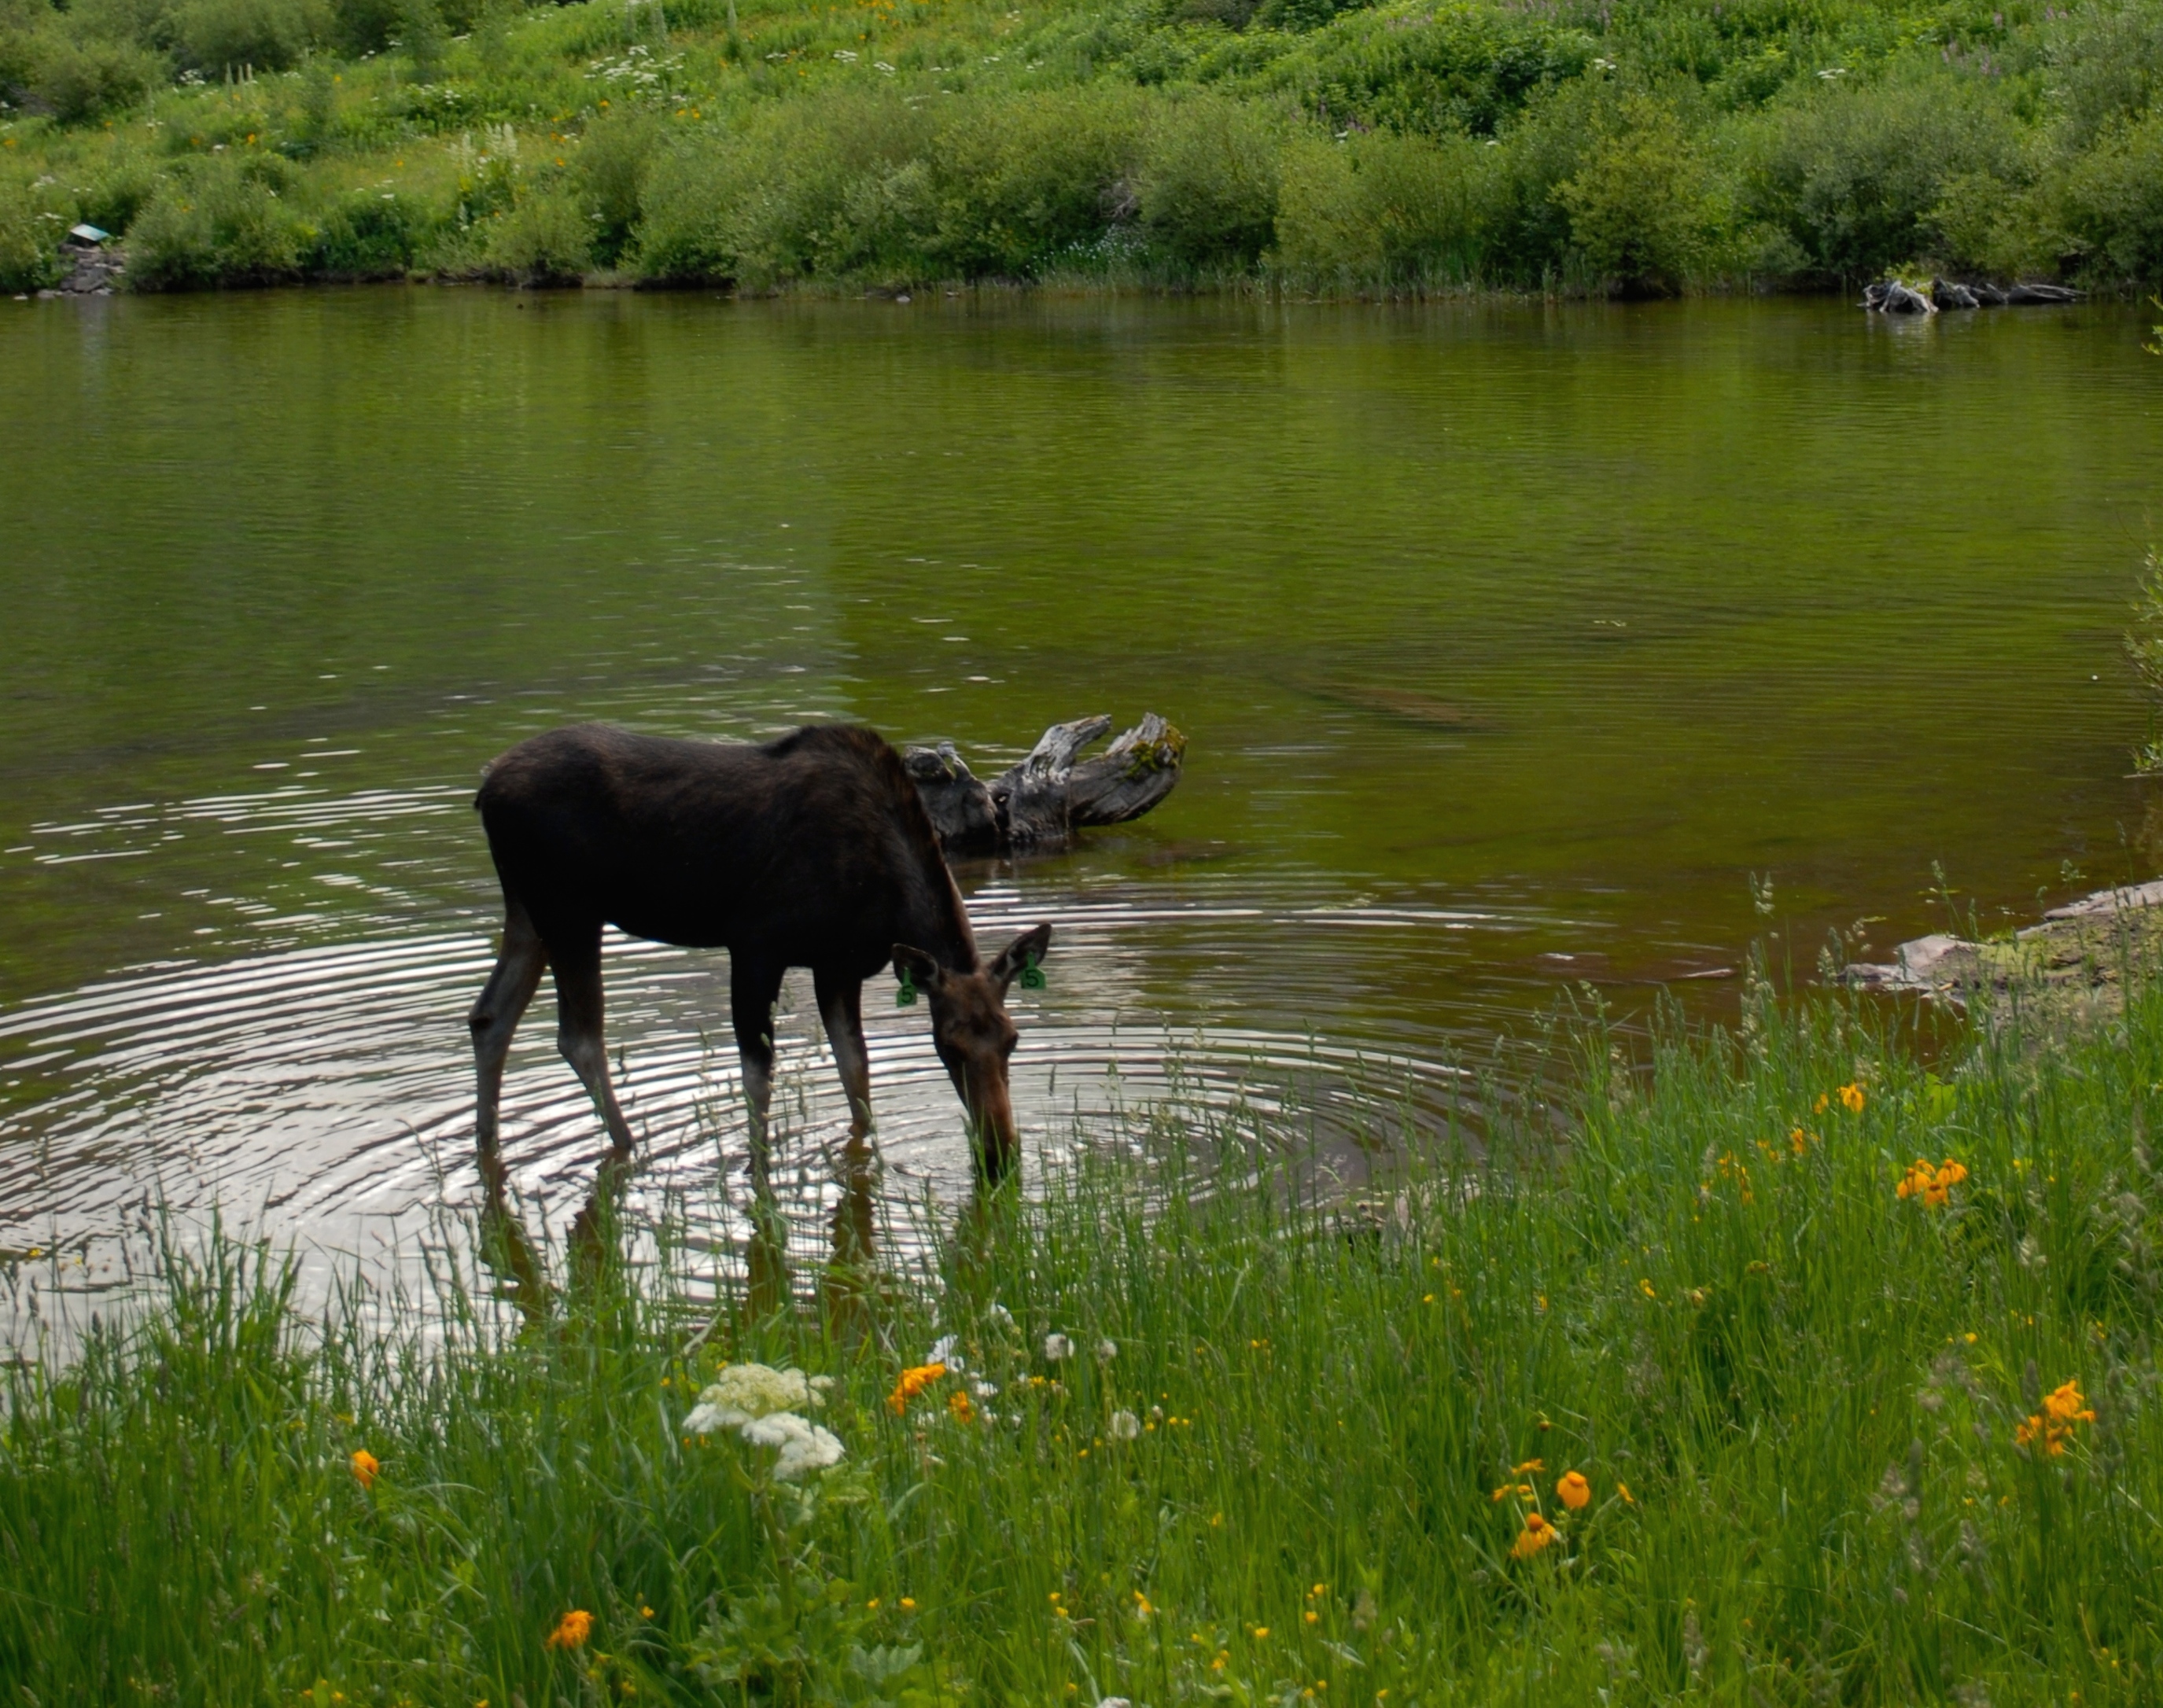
[[764, 1405]]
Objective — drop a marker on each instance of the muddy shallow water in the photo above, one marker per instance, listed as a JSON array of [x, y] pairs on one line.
[[1509, 641]]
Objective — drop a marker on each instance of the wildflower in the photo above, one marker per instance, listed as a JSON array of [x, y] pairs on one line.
[[744, 1392], [943, 1352], [1523, 1490], [961, 1405], [645, 1612], [1574, 1491], [999, 1316], [2052, 1427], [1933, 1186], [913, 1381], [1114, 1702], [1799, 1140], [1645, 1287], [1261, 1633], [803, 1446], [1106, 1351], [1851, 1098], [365, 1465], [1536, 1534], [1623, 1490], [1125, 1426], [572, 1630], [1529, 1464], [1057, 1349], [909, 1604]]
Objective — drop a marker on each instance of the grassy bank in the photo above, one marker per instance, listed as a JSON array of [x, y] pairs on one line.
[[1648, 145], [1728, 1398]]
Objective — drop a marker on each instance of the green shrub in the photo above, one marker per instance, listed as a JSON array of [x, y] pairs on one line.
[[1385, 210], [833, 185], [119, 191], [614, 162], [80, 80], [1853, 173], [2108, 204], [368, 234], [219, 35], [359, 27], [1026, 180], [2105, 65], [30, 239], [1208, 191], [1459, 68], [214, 225], [547, 239], [1644, 210], [422, 35]]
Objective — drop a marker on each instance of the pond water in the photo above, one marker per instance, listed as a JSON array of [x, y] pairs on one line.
[[1510, 640]]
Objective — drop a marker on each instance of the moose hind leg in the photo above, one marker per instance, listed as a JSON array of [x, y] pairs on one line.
[[495, 1017], [577, 966], [752, 991]]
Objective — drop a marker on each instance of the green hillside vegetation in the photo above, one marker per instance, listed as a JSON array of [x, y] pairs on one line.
[[1633, 145]]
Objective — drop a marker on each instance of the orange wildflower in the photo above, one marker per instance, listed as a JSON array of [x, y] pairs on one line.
[[572, 1630], [2052, 1427], [1536, 1534], [1933, 1186], [1851, 1099], [365, 1465], [913, 1381], [1574, 1491], [959, 1404]]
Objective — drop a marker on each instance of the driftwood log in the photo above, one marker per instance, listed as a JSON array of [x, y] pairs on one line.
[[1050, 794], [1891, 296]]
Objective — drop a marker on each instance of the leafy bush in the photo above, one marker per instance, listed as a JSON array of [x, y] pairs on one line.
[[1024, 180], [215, 224], [2105, 65], [1460, 68], [368, 234], [1644, 210], [1208, 191], [2108, 203], [219, 35], [80, 80], [613, 165], [1385, 210], [1853, 173], [119, 191], [547, 239], [29, 240]]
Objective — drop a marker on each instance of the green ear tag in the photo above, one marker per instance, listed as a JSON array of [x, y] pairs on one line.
[[1032, 975], [906, 996]]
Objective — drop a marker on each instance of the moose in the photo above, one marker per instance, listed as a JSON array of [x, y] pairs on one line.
[[813, 851]]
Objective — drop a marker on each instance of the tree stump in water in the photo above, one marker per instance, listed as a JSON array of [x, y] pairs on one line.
[[1049, 796]]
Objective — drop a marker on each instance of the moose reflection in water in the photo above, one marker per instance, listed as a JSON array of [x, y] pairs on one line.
[[815, 850]]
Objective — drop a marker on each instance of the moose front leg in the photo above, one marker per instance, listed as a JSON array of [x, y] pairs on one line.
[[841, 1007]]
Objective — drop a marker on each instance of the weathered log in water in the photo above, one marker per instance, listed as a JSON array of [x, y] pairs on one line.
[[1891, 296], [1049, 795]]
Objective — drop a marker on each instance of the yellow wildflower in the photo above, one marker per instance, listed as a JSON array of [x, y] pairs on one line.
[[1851, 1098], [365, 1465], [2052, 1427], [1536, 1534], [958, 1402], [913, 1381], [1574, 1491], [572, 1630], [1933, 1186]]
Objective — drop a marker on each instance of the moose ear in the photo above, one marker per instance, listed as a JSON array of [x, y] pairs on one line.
[[919, 967], [1025, 950]]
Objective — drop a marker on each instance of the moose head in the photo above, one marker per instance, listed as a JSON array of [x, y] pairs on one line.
[[973, 1037]]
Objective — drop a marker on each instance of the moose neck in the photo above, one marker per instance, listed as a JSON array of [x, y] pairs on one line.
[[937, 922]]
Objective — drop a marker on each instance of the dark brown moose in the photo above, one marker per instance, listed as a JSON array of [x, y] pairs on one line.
[[812, 851]]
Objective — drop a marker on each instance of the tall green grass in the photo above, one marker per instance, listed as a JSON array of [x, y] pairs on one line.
[[1795, 1395]]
